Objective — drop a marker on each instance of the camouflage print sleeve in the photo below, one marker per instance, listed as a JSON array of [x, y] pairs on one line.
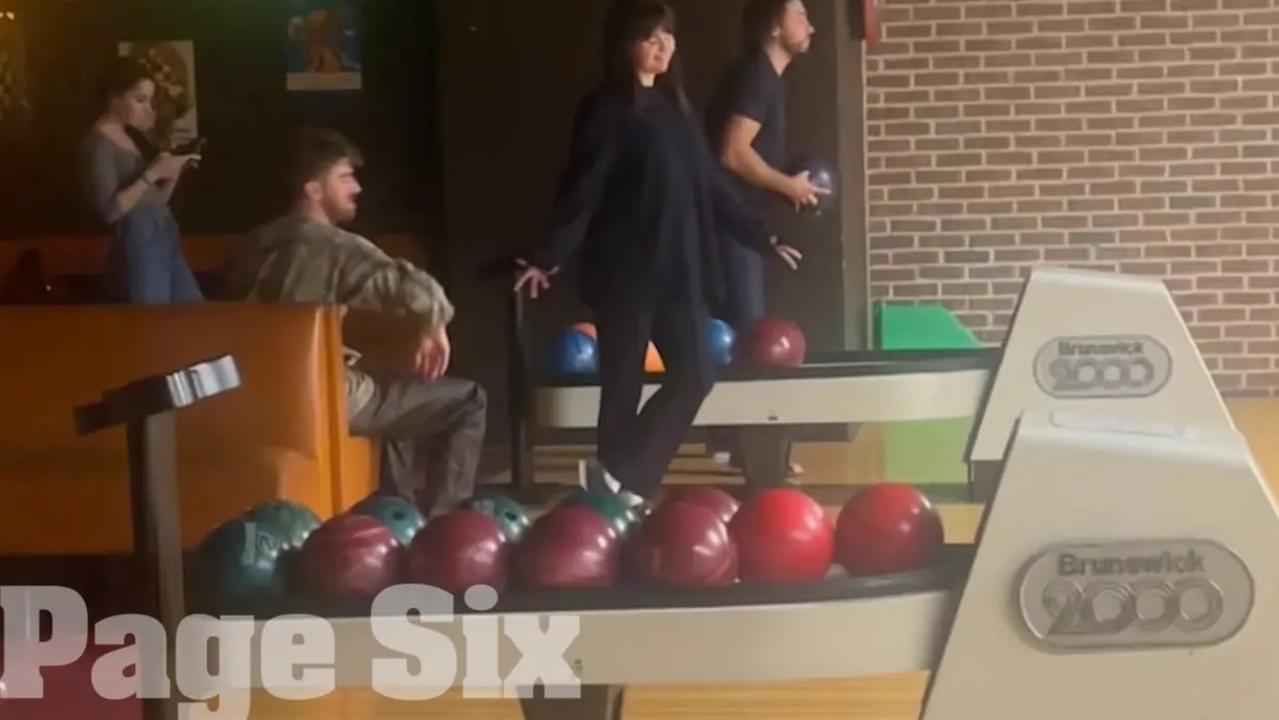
[[368, 278]]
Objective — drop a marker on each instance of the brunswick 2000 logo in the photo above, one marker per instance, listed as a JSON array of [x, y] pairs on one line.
[[1114, 366], [1138, 594]]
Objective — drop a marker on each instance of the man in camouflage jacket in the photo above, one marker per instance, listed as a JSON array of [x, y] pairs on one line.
[[431, 427]]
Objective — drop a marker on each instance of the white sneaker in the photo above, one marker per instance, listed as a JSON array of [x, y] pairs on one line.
[[593, 477], [631, 499]]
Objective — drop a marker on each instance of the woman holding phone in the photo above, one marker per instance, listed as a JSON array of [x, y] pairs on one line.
[[639, 210], [129, 186]]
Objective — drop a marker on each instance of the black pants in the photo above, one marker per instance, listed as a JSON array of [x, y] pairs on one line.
[[637, 446], [744, 283], [743, 306], [431, 435]]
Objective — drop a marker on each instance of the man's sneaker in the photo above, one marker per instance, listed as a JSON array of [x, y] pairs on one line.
[[730, 461]]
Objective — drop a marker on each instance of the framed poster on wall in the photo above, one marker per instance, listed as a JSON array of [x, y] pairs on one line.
[[15, 104], [325, 46], [172, 64]]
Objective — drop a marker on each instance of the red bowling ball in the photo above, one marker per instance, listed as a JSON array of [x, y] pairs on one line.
[[887, 528], [722, 503], [457, 551], [783, 536], [775, 343], [572, 546], [683, 545], [350, 556]]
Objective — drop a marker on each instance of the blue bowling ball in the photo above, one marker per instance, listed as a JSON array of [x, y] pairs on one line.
[[823, 174], [721, 337], [574, 353]]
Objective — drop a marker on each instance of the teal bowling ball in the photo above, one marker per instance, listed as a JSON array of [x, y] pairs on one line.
[[398, 514], [511, 517], [616, 510], [243, 559], [294, 522]]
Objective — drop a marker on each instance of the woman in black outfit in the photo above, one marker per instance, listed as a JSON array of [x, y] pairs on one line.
[[639, 208]]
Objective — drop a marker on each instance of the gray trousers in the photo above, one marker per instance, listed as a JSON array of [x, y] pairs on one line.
[[431, 435]]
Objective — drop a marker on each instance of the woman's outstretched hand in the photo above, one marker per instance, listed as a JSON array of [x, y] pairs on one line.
[[789, 255], [535, 278]]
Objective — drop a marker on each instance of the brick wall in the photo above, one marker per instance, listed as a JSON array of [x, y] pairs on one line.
[[1132, 135]]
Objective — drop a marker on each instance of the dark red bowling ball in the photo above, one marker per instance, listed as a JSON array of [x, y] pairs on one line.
[[783, 536], [887, 528], [350, 556], [722, 503], [571, 546], [459, 550], [774, 342], [683, 545]]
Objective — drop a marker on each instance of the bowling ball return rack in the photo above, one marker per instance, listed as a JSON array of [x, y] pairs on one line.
[[766, 408], [635, 633], [1179, 596], [949, 565], [1147, 485]]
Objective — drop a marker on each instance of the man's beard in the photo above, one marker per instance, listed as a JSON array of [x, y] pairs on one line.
[[796, 47], [342, 213]]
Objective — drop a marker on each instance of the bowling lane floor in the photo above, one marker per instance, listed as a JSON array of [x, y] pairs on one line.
[[896, 697]]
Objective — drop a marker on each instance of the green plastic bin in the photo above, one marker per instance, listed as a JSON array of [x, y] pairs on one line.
[[924, 452]]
